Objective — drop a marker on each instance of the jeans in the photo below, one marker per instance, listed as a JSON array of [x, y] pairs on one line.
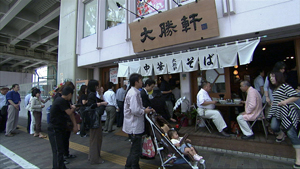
[[56, 141], [135, 152], [66, 142], [292, 132], [120, 115], [28, 121]]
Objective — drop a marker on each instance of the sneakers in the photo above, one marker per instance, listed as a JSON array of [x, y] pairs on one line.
[[197, 157], [70, 156], [78, 133], [296, 166]]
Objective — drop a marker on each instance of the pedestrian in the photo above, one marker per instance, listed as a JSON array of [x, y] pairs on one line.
[[36, 108], [67, 134], [166, 91], [82, 101], [14, 100], [3, 116], [26, 102], [120, 95], [283, 115], [133, 123], [279, 66], [58, 125], [95, 133], [111, 108], [259, 82]]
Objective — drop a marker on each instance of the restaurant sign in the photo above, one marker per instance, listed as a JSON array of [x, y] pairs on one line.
[[191, 22]]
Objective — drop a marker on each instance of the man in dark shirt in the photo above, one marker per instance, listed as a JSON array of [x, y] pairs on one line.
[[58, 124], [167, 93], [13, 98], [149, 85]]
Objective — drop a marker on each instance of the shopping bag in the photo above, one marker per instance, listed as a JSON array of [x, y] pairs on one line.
[[148, 150]]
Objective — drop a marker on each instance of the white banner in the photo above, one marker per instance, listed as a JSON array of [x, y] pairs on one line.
[[123, 70], [227, 55], [113, 75], [246, 50], [190, 61], [174, 64], [146, 67], [134, 67], [208, 59], [160, 66]]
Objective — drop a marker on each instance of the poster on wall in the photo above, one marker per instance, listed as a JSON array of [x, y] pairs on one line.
[[113, 75]]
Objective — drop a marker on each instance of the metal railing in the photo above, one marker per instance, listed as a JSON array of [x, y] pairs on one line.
[[45, 87]]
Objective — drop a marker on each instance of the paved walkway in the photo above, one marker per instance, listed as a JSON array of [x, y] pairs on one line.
[[115, 149]]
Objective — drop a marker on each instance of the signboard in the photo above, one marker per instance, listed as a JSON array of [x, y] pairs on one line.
[[183, 24], [113, 75]]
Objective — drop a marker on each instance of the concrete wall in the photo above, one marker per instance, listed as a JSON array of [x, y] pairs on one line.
[[67, 60], [9, 78]]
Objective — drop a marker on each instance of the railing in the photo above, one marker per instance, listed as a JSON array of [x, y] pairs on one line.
[[45, 87]]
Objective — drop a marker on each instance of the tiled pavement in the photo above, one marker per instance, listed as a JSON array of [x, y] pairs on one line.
[[115, 149]]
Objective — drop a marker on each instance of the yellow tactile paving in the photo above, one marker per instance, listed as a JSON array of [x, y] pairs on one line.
[[120, 160]]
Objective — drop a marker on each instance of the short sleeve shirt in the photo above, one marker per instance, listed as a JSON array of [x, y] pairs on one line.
[[58, 116], [258, 82], [203, 96]]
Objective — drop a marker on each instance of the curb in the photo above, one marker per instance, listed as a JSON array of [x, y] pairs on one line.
[[240, 153]]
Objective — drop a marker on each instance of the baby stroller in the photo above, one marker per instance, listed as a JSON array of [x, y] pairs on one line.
[[168, 153]]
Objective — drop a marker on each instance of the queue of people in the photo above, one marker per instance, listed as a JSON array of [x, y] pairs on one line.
[[129, 105]]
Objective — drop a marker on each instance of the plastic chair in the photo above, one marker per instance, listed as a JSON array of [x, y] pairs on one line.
[[261, 118], [201, 118]]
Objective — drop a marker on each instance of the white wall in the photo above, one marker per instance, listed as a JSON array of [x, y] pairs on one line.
[[250, 16], [9, 78]]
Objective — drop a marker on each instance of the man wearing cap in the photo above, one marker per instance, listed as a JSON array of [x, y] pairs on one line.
[[3, 117]]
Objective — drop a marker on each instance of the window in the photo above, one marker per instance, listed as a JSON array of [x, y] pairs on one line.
[[114, 15], [217, 78], [90, 18], [143, 8]]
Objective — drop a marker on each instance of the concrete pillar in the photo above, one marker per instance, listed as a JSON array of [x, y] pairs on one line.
[[67, 59], [96, 74]]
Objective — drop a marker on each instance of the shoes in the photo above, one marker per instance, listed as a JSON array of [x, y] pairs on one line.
[[111, 131], [197, 157], [9, 135], [78, 133], [84, 135], [101, 162], [35, 135], [66, 162], [281, 139], [70, 156], [14, 132], [248, 137], [296, 166], [223, 133]]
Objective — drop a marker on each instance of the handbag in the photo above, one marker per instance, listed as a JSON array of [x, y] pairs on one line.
[[148, 150], [28, 107], [4, 110]]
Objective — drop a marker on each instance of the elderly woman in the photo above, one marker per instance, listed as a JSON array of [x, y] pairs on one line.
[[284, 114]]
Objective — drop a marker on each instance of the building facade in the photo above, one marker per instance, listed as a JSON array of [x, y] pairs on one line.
[[96, 35]]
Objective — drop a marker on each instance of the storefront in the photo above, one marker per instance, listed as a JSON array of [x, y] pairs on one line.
[[217, 39]]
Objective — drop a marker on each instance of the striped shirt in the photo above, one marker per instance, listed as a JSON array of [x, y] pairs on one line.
[[287, 114]]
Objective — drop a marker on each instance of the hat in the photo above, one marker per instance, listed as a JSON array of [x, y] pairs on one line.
[[4, 88], [156, 92]]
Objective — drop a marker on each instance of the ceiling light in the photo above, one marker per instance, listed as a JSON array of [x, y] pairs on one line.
[[263, 48], [287, 57], [292, 57]]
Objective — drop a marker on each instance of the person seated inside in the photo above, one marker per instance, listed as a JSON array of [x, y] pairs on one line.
[[184, 148], [206, 108], [253, 106]]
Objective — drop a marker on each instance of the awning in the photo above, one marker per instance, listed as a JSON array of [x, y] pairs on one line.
[[209, 58]]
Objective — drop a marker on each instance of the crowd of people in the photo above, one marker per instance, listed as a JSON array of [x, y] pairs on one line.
[[128, 105]]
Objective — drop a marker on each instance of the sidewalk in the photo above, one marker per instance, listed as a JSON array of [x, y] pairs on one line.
[[115, 149]]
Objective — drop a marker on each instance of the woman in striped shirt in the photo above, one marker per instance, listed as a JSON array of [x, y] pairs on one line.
[[284, 114]]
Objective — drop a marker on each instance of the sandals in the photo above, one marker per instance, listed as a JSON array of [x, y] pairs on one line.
[[35, 135], [270, 131], [42, 136]]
